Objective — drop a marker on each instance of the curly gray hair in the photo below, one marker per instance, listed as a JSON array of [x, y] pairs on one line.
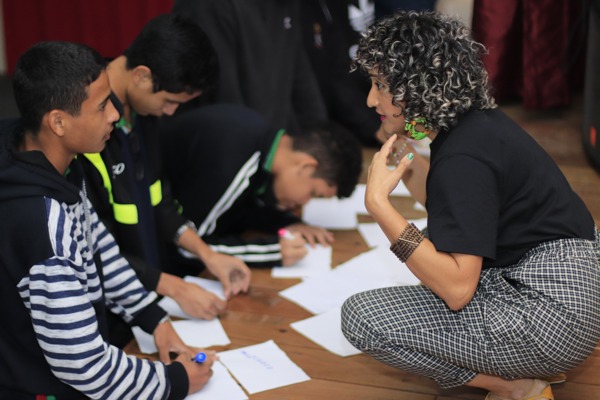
[[430, 62]]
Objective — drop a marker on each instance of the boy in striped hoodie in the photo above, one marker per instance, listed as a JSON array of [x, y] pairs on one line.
[[61, 269]]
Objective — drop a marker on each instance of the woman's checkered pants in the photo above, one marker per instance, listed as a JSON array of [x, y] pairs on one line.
[[537, 318]]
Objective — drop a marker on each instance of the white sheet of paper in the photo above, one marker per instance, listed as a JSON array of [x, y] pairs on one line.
[[419, 206], [194, 332], [316, 262], [262, 367], [173, 309], [325, 330], [220, 386], [400, 190], [331, 213], [358, 199], [211, 285], [374, 236], [373, 269]]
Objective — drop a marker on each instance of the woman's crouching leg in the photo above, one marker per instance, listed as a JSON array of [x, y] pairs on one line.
[[407, 327]]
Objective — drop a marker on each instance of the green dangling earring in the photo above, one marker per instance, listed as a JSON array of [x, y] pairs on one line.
[[411, 127]]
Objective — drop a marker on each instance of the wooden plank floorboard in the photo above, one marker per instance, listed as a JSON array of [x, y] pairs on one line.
[[320, 389], [267, 301]]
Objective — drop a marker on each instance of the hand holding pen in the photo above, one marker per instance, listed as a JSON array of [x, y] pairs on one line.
[[198, 368], [293, 247]]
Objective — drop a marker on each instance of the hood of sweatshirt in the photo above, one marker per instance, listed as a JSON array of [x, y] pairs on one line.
[[29, 173]]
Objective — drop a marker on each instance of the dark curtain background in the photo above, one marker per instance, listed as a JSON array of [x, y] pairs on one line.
[[536, 48], [107, 25]]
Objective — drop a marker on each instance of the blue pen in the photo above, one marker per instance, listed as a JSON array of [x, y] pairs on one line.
[[199, 358]]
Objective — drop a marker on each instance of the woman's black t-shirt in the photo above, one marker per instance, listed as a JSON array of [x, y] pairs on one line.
[[493, 191]]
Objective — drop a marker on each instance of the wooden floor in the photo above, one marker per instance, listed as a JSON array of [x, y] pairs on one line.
[[262, 315]]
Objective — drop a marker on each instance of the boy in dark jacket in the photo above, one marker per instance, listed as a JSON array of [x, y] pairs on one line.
[[61, 269], [232, 173], [169, 63]]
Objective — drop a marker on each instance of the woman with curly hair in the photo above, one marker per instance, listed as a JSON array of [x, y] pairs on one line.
[[510, 269]]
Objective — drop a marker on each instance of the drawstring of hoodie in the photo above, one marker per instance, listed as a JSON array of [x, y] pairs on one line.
[[88, 218]]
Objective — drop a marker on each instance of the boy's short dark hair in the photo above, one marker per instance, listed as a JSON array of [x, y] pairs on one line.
[[178, 52], [54, 75], [338, 152]]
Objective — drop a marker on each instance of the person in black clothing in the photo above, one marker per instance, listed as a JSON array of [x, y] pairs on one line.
[[169, 63], [330, 39], [331, 30], [510, 280], [232, 173], [262, 59], [384, 8]]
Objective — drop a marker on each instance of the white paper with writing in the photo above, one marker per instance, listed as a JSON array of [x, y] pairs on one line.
[[262, 367]]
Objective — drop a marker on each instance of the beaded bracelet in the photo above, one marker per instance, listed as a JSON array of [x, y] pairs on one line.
[[407, 242]]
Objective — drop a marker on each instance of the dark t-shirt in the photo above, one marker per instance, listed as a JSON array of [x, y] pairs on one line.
[[493, 191]]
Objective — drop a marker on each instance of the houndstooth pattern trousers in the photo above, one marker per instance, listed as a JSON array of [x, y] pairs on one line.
[[537, 318]]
